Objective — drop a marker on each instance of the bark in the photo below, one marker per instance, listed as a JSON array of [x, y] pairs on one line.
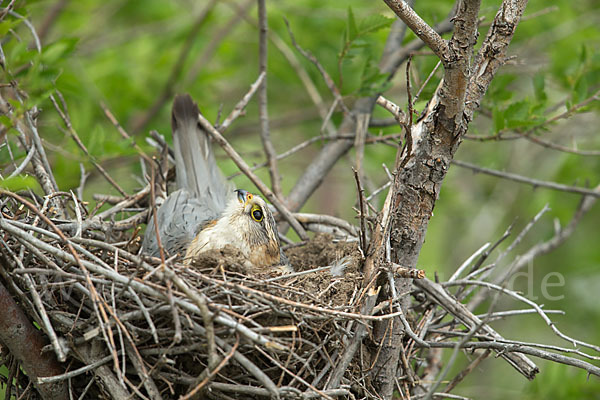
[[419, 172], [25, 342]]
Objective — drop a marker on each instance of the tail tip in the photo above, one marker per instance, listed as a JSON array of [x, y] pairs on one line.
[[184, 108]]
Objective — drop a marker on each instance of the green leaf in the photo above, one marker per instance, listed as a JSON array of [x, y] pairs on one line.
[[539, 87], [5, 121], [580, 90], [498, 120], [583, 54], [18, 182], [519, 115], [58, 50], [373, 23], [372, 80], [7, 25], [351, 25], [518, 110]]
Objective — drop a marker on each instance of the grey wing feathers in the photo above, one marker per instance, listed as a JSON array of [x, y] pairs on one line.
[[179, 218], [203, 191], [197, 170]]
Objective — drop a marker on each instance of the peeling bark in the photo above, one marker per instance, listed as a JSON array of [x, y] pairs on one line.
[[25, 342], [418, 176]]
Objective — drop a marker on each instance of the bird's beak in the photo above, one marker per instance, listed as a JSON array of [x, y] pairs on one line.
[[243, 196]]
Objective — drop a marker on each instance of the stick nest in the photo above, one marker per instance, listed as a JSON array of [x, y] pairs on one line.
[[153, 330]]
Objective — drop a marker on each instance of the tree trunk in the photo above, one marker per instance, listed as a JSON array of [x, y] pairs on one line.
[[422, 166]]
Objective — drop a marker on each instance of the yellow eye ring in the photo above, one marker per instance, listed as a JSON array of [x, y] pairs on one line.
[[256, 213]]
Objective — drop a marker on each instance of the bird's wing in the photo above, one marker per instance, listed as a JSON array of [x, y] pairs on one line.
[[203, 191], [180, 218], [197, 171]]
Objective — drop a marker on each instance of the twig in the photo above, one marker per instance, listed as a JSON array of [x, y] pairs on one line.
[[308, 142], [79, 143], [282, 367], [302, 305], [56, 344], [76, 372], [138, 365], [25, 162], [124, 133], [307, 218], [508, 349], [82, 178], [468, 262], [393, 109], [241, 105], [170, 85], [265, 134], [213, 372], [425, 82], [326, 77], [454, 307], [239, 161], [362, 217], [525, 300], [530, 181], [28, 24], [404, 272], [255, 391]]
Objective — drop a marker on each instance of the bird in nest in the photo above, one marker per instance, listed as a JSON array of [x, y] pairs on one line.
[[205, 213]]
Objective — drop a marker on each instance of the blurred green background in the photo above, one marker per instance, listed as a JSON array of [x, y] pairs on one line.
[[124, 54]]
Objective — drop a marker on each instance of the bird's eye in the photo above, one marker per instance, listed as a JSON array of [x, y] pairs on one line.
[[256, 213]]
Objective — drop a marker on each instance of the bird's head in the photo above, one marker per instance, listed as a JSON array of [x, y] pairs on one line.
[[253, 220]]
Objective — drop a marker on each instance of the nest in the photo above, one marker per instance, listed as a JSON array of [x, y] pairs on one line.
[[125, 325]]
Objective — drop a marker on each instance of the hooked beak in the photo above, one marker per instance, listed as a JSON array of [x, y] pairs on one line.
[[243, 196]]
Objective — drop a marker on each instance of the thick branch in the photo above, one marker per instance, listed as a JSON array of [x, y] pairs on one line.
[[420, 171], [425, 32], [25, 342], [492, 54]]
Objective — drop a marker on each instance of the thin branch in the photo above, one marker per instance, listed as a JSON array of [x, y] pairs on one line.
[[239, 161], [265, 134], [124, 133], [363, 209], [25, 162], [393, 109], [169, 87], [525, 300], [241, 105], [508, 349], [80, 144], [442, 297], [214, 372], [529, 181], [326, 77]]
